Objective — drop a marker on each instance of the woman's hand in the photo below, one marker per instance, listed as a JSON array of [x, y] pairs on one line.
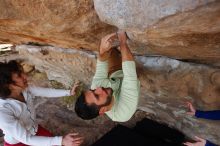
[[192, 110]]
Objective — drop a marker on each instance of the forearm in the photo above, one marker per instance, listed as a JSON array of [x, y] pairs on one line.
[[41, 140], [129, 70], [212, 115], [104, 56], [48, 92], [101, 69], [126, 53]]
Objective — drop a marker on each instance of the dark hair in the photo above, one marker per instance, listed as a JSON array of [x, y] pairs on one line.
[[6, 71], [84, 110]]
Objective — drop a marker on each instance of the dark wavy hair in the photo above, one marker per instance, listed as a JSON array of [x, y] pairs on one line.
[[6, 71], [84, 110]]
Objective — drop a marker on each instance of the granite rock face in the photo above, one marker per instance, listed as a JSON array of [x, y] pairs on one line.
[[166, 84], [187, 29]]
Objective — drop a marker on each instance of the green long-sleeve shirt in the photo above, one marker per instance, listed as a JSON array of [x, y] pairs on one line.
[[125, 85]]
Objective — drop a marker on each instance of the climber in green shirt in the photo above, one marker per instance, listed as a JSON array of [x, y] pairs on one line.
[[115, 87]]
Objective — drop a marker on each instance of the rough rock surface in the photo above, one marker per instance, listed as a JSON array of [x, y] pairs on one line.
[[68, 24], [166, 84], [186, 29]]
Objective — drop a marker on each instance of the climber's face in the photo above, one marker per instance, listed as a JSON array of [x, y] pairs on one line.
[[100, 96], [19, 80]]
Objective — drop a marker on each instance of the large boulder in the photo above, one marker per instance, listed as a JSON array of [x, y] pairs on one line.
[[186, 29]]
